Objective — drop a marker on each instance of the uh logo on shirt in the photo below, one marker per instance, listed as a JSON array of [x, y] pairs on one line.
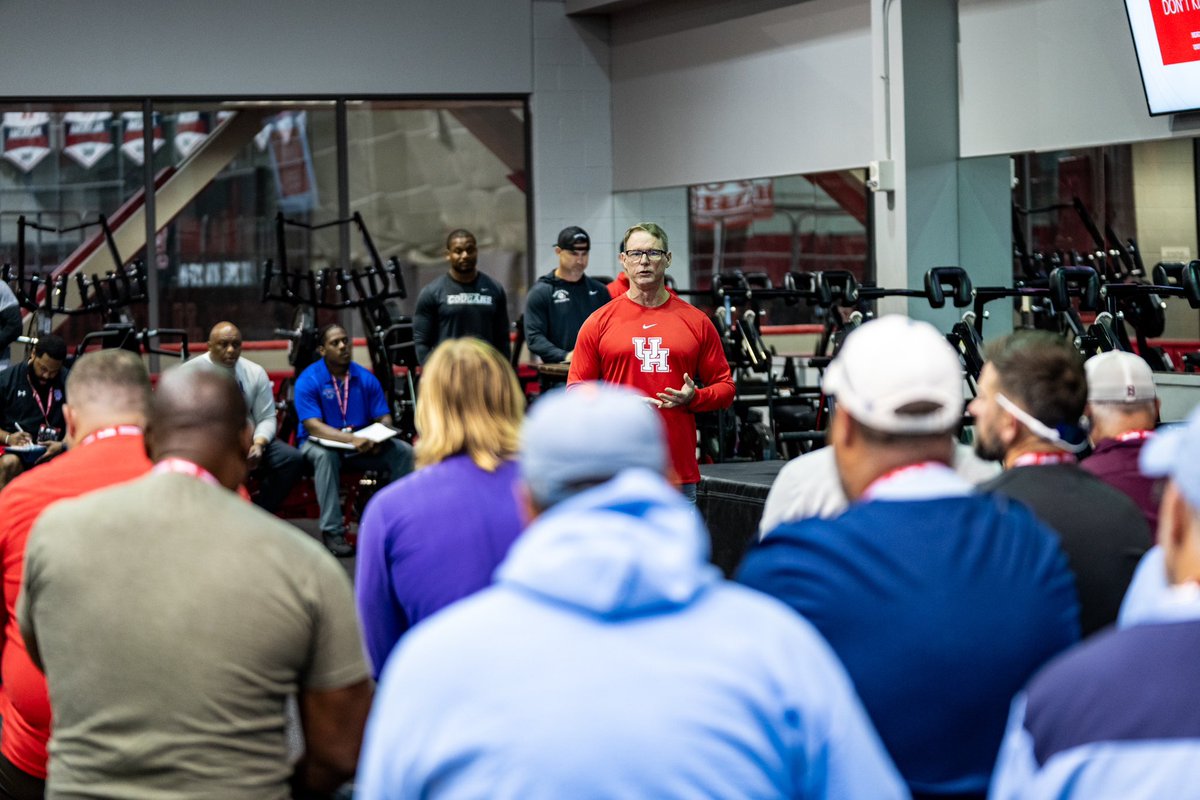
[[651, 353]]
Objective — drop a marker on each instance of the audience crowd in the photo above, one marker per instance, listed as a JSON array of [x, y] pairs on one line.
[[535, 600]]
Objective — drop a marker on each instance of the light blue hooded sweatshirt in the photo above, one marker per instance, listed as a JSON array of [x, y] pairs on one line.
[[610, 660]]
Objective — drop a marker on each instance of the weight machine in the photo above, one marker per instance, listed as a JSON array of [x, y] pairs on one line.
[[369, 291], [110, 296]]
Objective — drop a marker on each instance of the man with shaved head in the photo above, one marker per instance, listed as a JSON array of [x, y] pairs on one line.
[[275, 465], [110, 395], [200, 615]]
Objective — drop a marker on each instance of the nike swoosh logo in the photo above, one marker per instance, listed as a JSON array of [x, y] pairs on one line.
[[595, 292], [648, 327]]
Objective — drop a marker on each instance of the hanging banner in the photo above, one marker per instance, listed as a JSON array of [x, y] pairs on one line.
[[285, 138], [26, 139], [87, 136], [132, 143], [191, 129], [735, 203]]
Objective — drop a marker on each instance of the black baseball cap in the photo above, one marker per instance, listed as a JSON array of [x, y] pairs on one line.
[[573, 237]]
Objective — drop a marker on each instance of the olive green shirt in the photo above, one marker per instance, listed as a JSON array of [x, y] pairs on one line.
[[173, 619]]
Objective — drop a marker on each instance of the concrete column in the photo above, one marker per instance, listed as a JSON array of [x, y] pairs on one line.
[[943, 212], [985, 232]]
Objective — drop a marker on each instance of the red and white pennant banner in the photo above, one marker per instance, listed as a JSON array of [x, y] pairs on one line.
[[26, 138], [133, 145], [87, 136]]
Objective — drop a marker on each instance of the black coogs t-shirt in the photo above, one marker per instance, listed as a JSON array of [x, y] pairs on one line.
[[447, 309]]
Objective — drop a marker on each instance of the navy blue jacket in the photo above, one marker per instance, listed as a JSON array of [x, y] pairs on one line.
[[940, 610], [554, 311]]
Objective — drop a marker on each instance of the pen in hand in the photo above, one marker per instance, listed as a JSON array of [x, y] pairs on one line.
[[21, 436]]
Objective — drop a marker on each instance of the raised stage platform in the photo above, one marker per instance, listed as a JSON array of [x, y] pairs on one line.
[[731, 498]]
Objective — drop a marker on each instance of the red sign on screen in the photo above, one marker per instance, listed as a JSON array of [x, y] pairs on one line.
[[1178, 25]]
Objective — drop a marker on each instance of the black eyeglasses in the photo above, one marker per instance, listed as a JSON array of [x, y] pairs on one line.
[[653, 255]]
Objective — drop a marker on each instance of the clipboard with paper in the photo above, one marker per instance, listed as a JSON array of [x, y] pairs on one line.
[[376, 432]]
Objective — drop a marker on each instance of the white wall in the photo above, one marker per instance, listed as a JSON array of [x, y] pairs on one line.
[[775, 93], [1049, 75], [572, 134], [289, 47], [668, 208]]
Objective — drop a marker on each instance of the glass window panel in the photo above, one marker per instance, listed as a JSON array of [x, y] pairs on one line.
[[240, 164], [63, 165], [420, 170], [416, 171], [798, 223]]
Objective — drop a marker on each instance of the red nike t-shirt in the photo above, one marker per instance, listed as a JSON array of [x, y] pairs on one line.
[[25, 704], [650, 349]]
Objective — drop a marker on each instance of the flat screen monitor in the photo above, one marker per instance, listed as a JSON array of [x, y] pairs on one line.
[[1166, 35]]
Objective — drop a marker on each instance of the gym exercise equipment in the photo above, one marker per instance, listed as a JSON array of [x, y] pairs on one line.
[[369, 291], [798, 413], [110, 296]]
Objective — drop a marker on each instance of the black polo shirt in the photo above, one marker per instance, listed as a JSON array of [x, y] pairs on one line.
[[20, 406]]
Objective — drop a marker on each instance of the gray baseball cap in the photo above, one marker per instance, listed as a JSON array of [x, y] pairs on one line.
[[585, 434]]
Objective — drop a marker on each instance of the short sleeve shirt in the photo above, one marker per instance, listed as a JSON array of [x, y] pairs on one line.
[[317, 397]]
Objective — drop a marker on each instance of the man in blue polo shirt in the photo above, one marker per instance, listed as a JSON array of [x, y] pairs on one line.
[[1116, 717], [334, 398], [941, 602]]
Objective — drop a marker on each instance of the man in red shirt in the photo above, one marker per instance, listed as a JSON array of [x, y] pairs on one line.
[[109, 394], [653, 341]]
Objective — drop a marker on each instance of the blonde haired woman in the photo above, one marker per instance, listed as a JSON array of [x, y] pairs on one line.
[[436, 535]]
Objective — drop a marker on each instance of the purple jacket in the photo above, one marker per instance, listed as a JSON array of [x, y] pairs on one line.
[[431, 538], [1116, 463]]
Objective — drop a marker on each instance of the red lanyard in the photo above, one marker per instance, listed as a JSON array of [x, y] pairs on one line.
[[343, 400], [108, 433], [184, 467], [1032, 459], [1134, 436], [43, 407], [895, 473]]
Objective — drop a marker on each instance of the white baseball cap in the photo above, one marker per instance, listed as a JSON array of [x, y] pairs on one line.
[[893, 362], [587, 434], [1119, 377]]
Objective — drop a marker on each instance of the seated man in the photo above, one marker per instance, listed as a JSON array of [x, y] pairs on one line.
[[808, 486], [609, 659], [1031, 396], [334, 398], [110, 396], [1096, 723], [32, 394], [173, 620], [940, 601], [1122, 408], [275, 464]]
